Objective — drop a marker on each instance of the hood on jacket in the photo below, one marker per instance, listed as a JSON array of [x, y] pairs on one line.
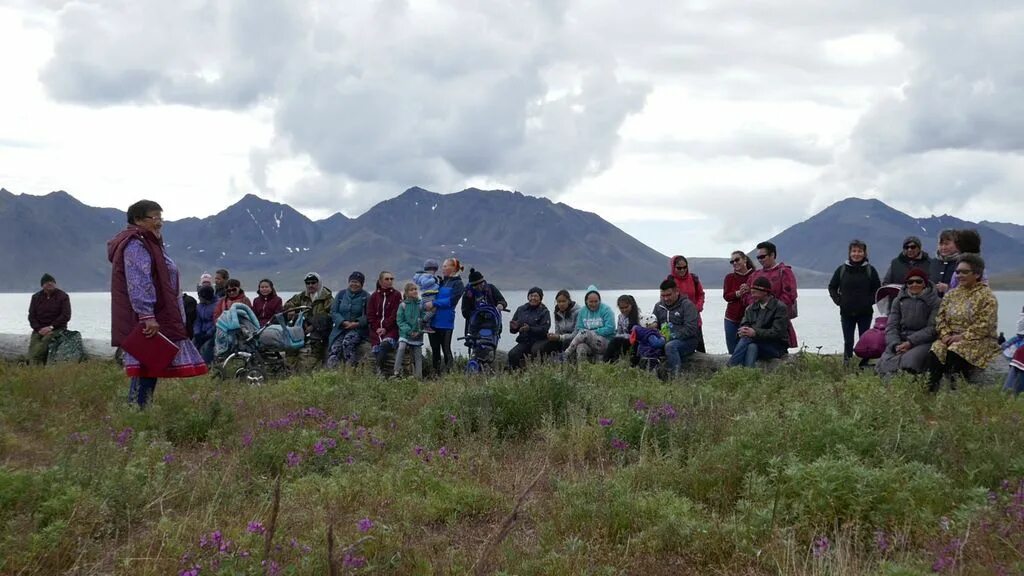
[[591, 290], [672, 267]]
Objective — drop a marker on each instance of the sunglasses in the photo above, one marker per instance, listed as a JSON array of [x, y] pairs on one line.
[[681, 267], [911, 247], [964, 271], [232, 290], [762, 256], [915, 281], [735, 261], [310, 282]]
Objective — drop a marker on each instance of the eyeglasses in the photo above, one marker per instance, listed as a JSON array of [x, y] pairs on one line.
[[911, 247], [232, 290], [762, 256], [915, 281], [735, 261], [964, 271]]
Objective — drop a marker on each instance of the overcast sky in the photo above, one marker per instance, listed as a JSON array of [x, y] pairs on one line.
[[697, 126]]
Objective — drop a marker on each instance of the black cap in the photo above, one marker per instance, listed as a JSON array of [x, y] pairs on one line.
[[357, 275], [475, 277], [535, 290], [46, 278], [762, 283]]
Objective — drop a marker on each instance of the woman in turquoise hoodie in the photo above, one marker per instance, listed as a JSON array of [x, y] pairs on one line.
[[410, 335], [595, 327]]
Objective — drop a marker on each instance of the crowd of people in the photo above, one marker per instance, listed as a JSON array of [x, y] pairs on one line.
[[942, 321]]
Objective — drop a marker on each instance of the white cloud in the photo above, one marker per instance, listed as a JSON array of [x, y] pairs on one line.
[[730, 119]]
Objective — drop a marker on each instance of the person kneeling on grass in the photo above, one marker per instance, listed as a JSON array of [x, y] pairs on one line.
[[410, 330], [764, 330]]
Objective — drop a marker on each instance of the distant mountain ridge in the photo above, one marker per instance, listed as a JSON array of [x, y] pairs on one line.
[[517, 240], [820, 242]]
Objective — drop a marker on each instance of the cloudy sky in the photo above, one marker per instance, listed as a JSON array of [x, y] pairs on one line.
[[698, 126]]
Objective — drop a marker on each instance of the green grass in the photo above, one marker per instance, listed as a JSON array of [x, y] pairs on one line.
[[809, 469]]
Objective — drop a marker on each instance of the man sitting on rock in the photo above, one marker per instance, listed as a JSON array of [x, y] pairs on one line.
[[679, 321], [48, 314], [764, 330]]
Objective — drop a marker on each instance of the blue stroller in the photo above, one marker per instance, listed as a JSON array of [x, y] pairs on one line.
[[483, 330], [252, 353]]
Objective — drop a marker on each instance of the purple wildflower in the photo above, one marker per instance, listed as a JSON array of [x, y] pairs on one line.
[[821, 546], [882, 541], [350, 460], [168, 458], [365, 525], [256, 527], [273, 569], [345, 434], [319, 449], [124, 436], [605, 422], [418, 450], [293, 459], [452, 418], [193, 571], [360, 432], [668, 412], [353, 562], [203, 541], [442, 451], [640, 406], [620, 444], [246, 439], [243, 554], [376, 442]]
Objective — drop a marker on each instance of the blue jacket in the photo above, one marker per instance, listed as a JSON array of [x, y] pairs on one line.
[[601, 321], [447, 301], [348, 306], [204, 324], [650, 343]]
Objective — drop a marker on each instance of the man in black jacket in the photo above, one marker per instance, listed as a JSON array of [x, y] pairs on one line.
[[912, 256], [764, 330], [531, 323]]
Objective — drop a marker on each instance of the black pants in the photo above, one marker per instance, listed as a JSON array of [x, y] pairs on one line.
[[861, 322], [548, 348], [955, 366], [441, 341], [522, 350]]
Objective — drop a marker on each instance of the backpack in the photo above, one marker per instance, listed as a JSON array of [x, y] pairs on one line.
[[66, 346]]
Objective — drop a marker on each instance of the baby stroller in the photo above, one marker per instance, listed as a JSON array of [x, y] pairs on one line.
[[871, 345], [483, 330], [252, 353]]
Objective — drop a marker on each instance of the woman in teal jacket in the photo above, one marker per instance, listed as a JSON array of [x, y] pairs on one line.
[[348, 311], [595, 327]]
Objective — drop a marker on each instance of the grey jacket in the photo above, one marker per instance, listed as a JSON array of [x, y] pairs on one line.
[[770, 322], [912, 318], [682, 319], [565, 325]]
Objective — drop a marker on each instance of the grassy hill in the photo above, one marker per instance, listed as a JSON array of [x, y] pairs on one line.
[[810, 469]]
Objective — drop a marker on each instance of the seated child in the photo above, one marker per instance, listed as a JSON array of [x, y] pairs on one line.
[[429, 285], [649, 342]]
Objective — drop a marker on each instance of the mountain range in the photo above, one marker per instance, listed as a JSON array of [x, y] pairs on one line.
[[517, 241]]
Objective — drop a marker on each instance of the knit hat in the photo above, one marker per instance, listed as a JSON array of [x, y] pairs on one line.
[[311, 276], [357, 276], [206, 279], [430, 264], [46, 278], [916, 272], [475, 277], [762, 283], [535, 290], [206, 292], [912, 240]]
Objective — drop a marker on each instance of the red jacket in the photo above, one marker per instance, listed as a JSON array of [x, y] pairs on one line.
[[166, 311], [224, 303], [382, 312], [689, 286], [266, 307], [737, 305], [784, 288]]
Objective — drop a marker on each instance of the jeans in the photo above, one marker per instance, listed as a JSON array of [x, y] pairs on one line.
[[748, 352], [140, 390], [1014, 381], [417, 358], [381, 351], [676, 352], [204, 343], [521, 351], [731, 339], [861, 322]]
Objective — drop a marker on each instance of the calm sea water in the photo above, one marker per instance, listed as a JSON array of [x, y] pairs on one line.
[[818, 324]]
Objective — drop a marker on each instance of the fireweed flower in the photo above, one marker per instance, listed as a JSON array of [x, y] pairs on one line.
[[639, 406], [821, 546], [353, 562], [293, 459], [319, 449], [605, 422], [256, 527], [418, 450], [365, 525], [246, 439], [168, 458], [882, 541], [124, 436], [619, 444]]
